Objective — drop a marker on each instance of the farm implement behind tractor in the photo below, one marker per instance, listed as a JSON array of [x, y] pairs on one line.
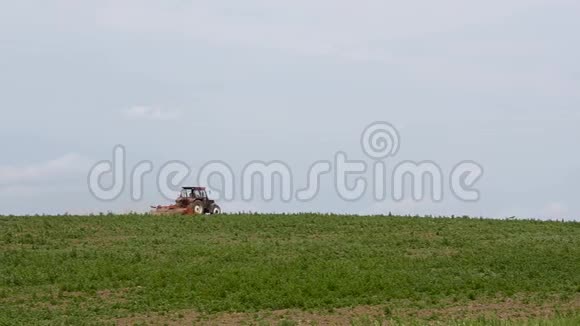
[[191, 201]]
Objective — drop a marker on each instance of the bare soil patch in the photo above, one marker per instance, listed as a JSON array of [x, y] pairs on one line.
[[511, 309]]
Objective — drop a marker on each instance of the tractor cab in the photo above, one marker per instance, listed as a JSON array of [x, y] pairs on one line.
[[193, 192]]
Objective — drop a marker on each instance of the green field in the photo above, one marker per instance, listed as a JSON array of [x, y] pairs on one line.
[[287, 270]]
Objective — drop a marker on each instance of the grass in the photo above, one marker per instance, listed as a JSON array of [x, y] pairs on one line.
[[101, 269]]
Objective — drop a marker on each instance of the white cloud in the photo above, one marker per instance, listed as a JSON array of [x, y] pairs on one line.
[[309, 27], [438, 43], [69, 164], [150, 113], [555, 210]]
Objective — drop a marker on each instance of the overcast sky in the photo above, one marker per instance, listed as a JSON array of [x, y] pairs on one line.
[[497, 82]]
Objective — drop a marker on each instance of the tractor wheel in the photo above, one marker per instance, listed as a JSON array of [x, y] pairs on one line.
[[215, 209], [197, 207]]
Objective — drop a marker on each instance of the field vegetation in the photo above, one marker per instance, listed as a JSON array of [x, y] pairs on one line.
[[287, 270]]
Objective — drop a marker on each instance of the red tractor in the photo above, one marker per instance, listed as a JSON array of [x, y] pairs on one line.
[[191, 201]]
